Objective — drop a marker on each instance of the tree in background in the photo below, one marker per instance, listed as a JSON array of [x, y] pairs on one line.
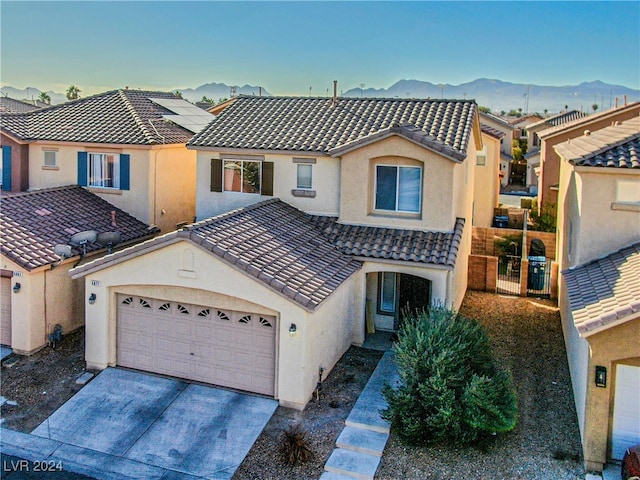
[[206, 99], [178, 93], [73, 93], [45, 98], [484, 109], [595, 107], [543, 219], [451, 387]]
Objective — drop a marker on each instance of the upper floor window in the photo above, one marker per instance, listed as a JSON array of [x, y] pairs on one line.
[[242, 176], [398, 188], [305, 175], [104, 170], [50, 158]]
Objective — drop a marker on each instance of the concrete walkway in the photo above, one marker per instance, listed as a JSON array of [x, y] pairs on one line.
[[360, 445], [5, 352]]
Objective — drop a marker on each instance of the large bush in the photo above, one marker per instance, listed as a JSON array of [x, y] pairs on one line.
[[451, 387]]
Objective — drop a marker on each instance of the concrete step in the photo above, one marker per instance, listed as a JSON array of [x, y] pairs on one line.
[[334, 476], [362, 440], [352, 464], [368, 419]]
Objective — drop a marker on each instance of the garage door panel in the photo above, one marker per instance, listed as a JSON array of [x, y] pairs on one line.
[[212, 345], [626, 411]]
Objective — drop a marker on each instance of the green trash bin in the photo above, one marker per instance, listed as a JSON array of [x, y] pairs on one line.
[[537, 267]]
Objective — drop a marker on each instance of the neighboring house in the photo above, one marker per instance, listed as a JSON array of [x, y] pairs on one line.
[[10, 105], [533, 141], [599, 253], [37, 291], [126, 146], [320, 219], [550, 137], [488, 177], [513, 173]]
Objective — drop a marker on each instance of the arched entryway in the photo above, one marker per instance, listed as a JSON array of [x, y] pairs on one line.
[[389, 294]]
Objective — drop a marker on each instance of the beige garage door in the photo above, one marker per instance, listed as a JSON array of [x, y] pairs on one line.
[[211, 345], [5, 312]]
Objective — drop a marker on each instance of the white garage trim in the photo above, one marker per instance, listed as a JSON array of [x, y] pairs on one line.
[[626, 410], [203, 343], [5, 311]]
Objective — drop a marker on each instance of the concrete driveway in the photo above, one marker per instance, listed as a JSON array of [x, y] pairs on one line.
[[177, 426]]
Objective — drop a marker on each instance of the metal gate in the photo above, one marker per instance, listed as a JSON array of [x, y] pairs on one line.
[[509, 274], [539, 278]]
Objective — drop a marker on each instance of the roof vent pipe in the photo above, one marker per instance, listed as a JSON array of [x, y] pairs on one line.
[[625, 100], [335, 93], [587, 133]]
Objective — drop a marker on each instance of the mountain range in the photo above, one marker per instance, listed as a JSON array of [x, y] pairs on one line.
[[495, 94]]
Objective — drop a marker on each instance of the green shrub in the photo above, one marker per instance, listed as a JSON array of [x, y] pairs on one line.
[[545, 219], [451, 388]]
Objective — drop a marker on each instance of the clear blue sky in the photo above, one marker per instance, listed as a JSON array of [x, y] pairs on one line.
[[287, 47]]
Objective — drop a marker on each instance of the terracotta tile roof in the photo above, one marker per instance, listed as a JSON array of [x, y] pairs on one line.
[[10, 105], [317, 125], [495, 133], [302, 257], [494, 118], [585, 120], [33, 223], [120, 117], [436, 248], [559, 119], [271, 241], [605, 292], [617, 146]]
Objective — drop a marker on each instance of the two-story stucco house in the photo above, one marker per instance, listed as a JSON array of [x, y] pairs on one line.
[[549, 177], [320, 219], [599, 252], [127, 146]]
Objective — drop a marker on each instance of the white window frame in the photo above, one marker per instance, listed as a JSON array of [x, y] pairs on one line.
[[55, 158], [242, 170], [397, 167], [298, 184], [100, 161]]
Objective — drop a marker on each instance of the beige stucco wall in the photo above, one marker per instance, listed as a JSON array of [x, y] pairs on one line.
[[620, 344], [184, 271], [487, 183], [325, 183], [173, 170], [46, 298], [549, 158], [440, 191], [588, 209], [161, 178]]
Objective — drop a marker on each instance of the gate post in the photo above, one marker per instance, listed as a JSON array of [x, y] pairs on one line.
[[524, 276], [491, 279]]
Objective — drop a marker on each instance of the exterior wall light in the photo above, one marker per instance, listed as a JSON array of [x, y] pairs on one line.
[[292, 330], [16, 287], [601, 376], [92, 299]]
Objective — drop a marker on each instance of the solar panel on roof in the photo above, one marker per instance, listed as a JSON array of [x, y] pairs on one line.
[[187, 115]]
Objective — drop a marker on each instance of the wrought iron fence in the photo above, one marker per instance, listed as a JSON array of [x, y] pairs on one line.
[[509, 274]]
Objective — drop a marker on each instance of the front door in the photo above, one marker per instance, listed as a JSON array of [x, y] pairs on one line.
[[415, 294]]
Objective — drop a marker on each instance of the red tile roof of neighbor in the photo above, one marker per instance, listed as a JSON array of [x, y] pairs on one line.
[[33, 223], [318, 125], [302, 257], [119, 117], [617, 146], [492, 131], [11, 105], [605, 292]]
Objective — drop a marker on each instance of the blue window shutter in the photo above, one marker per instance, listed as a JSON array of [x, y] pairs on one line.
[[124, 172], [6, 167], [83, 166]]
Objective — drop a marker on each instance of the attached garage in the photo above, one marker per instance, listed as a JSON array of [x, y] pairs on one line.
[[5, 311], [626, 411], [197, 342]]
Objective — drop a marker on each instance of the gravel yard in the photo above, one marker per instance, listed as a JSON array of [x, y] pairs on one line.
[[527, 339]]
